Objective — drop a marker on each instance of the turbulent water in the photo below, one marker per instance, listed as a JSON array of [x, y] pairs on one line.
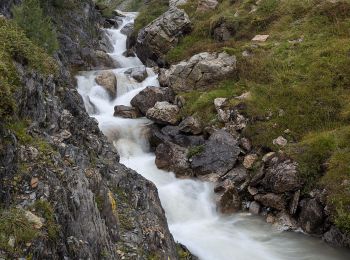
[[188, 204]]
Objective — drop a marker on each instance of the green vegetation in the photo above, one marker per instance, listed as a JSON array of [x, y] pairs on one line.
[[149, 12], [15, 46], [46, 211], [29, 16], [14, 225], [299, 80], [195, 150]]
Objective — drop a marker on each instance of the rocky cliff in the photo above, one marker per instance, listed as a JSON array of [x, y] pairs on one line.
[[63, 192]]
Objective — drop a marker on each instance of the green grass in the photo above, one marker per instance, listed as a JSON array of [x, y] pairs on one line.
[[195, 150], [14, 45], [14, 223]]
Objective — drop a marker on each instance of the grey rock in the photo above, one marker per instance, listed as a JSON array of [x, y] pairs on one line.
[[206, 5], [219, 155], [127, 29], [337, 238], [158, 37], [228, 200], [108, 80], [164, 113], [199, 72], [137, 73], [148, 97], [254, 208], [191, 125], [311, 216], [271, 200]]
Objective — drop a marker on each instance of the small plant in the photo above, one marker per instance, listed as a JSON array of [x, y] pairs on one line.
[[195, 150]]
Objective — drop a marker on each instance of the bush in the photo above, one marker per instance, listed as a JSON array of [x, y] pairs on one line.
[[29, 16]]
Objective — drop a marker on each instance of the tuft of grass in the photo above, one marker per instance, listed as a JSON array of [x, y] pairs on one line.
[[14, 224], [195, 150]]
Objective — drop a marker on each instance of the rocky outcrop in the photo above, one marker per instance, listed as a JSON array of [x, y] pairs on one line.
[[219, 155], [148, 97], [158, 37], [108, 81], [164, 113], [199, 72]]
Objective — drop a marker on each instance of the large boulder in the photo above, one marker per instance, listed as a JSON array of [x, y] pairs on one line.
[[148, 97], [173, 134], [158, 37], [164, 113], [108, 81], [219, 155], [271, 200], [137, 73], [311, 216], [127, 29], [172, 157], [281, 176], [199, 72]]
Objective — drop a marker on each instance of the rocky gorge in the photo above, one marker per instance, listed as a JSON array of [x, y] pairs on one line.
[[61, 173]]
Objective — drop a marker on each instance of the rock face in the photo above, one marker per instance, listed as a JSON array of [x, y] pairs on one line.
[[271, 200], [157, 38], [199, 72], [137, 73], [126, 112], [164, 113], [101, 208], [219, 155], [228, 200], [108, 80], [148, 97]]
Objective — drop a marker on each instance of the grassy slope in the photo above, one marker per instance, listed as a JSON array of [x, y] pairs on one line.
[[299, 78]]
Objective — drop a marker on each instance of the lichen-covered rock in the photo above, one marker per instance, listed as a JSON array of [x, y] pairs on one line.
[[148, 97], [164, 113], [199, 72], [158, 37], [191, 125], [173, 157]]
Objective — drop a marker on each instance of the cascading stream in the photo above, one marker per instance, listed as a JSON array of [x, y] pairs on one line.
[[188, 204]]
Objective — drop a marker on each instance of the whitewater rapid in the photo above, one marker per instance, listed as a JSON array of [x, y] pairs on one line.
[[188, 204]]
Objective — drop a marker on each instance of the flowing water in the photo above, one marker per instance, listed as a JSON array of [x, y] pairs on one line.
[[188, 204]]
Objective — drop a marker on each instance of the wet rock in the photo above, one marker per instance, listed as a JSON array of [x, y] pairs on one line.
[[271, 200], [254, 208], [127, 29], [281, 177], [111, 23], [311, 216], [173, 134], [206, 5], [228, 201], [191, 125], [249, 160], [100, 60], [137, 73], [284, 222], [172, 157], [108, 80], [126, 112], [337, 238], [164, 113], [158, 37], [199, 72], [219, 155], [148, 97]]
